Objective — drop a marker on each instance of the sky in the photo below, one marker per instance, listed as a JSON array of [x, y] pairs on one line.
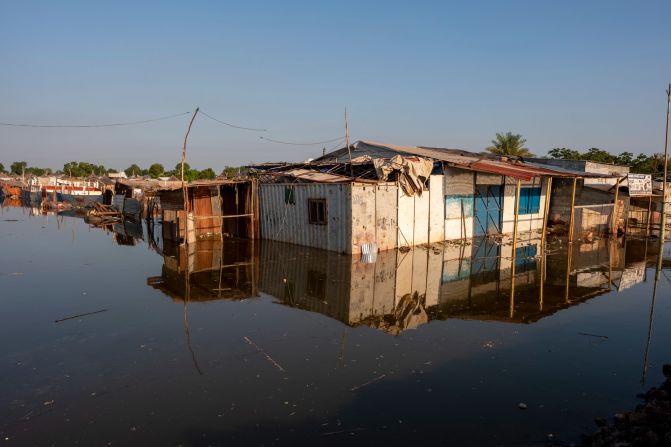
[[575, 74]]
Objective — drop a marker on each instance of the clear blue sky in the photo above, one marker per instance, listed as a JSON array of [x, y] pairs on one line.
[[573, 74]]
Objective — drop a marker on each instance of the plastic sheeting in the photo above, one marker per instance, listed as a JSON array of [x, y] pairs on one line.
[[412, 172]]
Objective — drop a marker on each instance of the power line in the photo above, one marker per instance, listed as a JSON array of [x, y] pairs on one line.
[[233, 125], [303, 144], [128, 123]]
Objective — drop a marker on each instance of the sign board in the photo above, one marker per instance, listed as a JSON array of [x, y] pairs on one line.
[[639, 184]]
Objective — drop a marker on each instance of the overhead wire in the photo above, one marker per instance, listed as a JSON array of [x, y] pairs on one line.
[[235, 126], [302, 144], [127, 123]]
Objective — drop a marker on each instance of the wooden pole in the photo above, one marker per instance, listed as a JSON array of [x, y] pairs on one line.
[[512, 267], [647, 228], [185, 191], [613, 223], [546, 211], [186, 137], [662, 228], [570, 228], [349, 151]]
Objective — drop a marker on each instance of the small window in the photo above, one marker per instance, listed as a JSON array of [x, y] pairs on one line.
[[317, 211], [530, 200]]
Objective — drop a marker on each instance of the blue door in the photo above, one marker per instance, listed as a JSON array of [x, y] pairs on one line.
[[487, 210]]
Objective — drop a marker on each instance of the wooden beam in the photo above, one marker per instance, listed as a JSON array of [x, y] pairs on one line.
[[512, 267], [570, 228], [548, 191], [615, 206]]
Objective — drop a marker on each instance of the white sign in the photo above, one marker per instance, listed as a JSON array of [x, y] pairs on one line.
[[639, 184]]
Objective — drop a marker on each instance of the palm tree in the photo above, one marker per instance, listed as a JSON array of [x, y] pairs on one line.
[[509, 144]]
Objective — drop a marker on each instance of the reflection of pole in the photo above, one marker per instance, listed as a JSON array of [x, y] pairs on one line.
[[548, 191], [512, 267], [647, 227], [187, 296], [570, 228], [568, 272], [542, 282], [650, 319]]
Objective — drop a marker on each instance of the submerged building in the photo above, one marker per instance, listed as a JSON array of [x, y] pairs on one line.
[[374, 196]]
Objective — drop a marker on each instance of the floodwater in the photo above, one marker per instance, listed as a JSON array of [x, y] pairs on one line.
[[113, 337]]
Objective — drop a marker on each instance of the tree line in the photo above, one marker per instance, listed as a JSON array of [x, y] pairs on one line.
[[513, 145], [85, 169]]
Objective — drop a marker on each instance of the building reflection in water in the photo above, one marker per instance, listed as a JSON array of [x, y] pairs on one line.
[[399, 291]]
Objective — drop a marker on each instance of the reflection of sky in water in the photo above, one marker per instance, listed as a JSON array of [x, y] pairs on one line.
[[456, 369]]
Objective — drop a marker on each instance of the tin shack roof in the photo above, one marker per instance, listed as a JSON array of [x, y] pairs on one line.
[[482, 162]]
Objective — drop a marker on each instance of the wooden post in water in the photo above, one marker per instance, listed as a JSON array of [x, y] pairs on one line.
[[615, 205], [570, 228], [546, 211], [512, 267], [647, 227]]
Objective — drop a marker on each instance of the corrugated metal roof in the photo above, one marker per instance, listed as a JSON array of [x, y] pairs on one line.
[[478, 162], [321, 177]]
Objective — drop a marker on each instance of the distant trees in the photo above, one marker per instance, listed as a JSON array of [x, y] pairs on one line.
[[21, 167], [155, 170], [642, 164], [509, 144], [18, 167], [207, 174], [83, 169], [133, 170], [2, 168]]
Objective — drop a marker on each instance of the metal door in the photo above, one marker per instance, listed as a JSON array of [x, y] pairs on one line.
[[487, 210]]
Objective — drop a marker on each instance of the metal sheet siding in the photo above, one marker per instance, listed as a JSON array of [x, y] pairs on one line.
[[288, 222]]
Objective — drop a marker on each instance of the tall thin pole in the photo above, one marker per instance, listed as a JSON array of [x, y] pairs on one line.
[[666, 163], [185, 191], [186, 137], [349, 151]]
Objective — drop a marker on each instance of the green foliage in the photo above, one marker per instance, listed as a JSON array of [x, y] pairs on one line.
[[83, 169], [2, 167], [642, 164], [133, 170], [509, 144], [18, 167], [230, 171], [564, 154], [155, 170], [207, 174]]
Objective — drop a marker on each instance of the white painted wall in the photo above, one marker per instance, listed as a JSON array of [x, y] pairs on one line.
[[526, 222]]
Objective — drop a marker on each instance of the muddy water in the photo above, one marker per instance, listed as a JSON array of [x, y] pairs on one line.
[[117, 338]]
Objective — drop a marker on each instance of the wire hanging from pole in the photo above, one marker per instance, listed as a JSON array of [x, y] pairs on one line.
[[127, 123], [302, 144], [233, 125]]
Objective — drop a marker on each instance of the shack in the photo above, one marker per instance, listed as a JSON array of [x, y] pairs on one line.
[[376, 196], [208, 208]]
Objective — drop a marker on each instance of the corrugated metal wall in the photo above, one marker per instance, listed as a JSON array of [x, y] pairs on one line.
[[284, 221]]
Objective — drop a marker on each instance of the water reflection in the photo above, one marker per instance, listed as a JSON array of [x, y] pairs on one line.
[[402, 291]]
